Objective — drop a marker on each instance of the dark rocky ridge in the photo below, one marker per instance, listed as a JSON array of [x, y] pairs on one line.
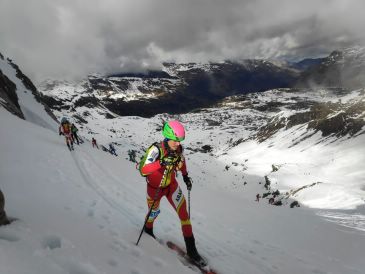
[[9, 96], [185, 89], [8, 91]]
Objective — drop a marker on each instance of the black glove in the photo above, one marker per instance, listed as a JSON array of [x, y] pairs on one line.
[[188, 182], [60, 133]]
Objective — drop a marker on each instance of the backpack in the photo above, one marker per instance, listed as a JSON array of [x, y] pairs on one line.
[[161, 155], [66, 128], [64, 120], [74, 128], [144, 157]]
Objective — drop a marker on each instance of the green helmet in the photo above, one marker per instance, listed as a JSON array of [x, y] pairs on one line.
[[173, 130]]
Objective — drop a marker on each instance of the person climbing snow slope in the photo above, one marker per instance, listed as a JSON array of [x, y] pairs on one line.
[[74, 131], [160, 164], [65, 130]]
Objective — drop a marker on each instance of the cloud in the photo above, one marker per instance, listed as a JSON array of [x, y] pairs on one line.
[[70, 38]]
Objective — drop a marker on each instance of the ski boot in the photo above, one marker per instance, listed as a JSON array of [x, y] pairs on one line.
[[149, 231], [193, 253]]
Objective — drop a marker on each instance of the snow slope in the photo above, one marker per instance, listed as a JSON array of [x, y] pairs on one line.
[[81, 212]]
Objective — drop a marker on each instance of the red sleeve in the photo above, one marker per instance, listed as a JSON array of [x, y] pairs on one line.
[[184, 169], [150, 168]]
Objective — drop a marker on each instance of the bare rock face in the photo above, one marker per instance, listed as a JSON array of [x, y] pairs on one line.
[[8, 96], [3, 218]]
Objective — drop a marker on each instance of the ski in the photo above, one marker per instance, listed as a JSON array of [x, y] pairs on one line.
[[203, 268]]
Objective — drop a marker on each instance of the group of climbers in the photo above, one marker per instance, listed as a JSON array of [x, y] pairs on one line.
[[69, 130]]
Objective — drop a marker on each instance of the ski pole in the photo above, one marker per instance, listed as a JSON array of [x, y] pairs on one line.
[[148, 215], [189, 198], [154, 200], [189, 203]]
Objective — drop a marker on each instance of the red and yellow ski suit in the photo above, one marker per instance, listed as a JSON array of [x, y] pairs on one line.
[[169, 187], [65, 129]]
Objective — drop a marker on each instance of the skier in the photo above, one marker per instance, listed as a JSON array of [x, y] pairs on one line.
[[3, 218], [93, 141], [65, 130], [112, 149], [161, 163], [74, 131], [258, 197]]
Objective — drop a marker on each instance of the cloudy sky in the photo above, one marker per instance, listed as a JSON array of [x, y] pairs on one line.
[[70, 38]]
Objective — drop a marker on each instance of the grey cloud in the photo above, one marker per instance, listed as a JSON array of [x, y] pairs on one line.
[[70, 38]]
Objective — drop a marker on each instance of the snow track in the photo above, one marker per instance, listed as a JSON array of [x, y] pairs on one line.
[[347, 219], [106, 185]]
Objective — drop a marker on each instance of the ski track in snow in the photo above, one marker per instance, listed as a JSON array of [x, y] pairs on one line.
[[351, 220], [86, 170]]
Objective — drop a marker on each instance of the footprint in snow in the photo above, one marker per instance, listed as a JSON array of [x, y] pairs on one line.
[[8, 236], [114, 233], [51, 242], [106, 218], [80, 268], [118, 245], [137, 252], [135, 271], [113, 262], [158, 262], [90, 213]]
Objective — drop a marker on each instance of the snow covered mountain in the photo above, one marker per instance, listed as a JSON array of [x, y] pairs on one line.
[[81, 211], [342, 68], [203, 85], [197, 85]]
